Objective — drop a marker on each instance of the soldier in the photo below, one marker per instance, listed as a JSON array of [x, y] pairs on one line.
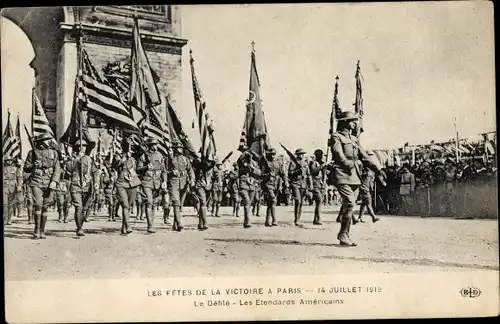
[[151, 168], [234, 189], [84, 181], [346, 152], [248, 172], [272, 173], [318, 169], [366, 190], [407, 188], [19, 200], [201, 167], [217, 186], [256, 198], [43, 164], [300, 180], [13, 182], [108, 179], [63, 192], [127, 182], [180, 176], [28, 198]]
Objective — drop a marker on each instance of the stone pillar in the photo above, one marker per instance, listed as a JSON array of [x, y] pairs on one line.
[[66, 76]]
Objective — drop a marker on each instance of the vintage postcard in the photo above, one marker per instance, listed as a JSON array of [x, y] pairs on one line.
[[166, 163]]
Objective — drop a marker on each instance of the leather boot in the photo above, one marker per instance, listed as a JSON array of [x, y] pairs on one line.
[[237, 209], [79, 223], [246, 221], [166, 213], [43, 221], [343, 235], [203, 212], [317, 215], [150, 219], [30, 215], [273, 215], [60, 212], [8, 216], [36, 232], [217, 210], [268, 217], [125, 224], [341, 213], [177, 219], [296, 210]]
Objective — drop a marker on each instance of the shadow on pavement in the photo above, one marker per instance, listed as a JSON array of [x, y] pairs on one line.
[[267, 241]]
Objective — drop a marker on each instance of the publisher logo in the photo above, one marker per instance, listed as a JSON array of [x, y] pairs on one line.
[[470, 292]]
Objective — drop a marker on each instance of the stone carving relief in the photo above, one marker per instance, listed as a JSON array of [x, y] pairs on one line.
[[149, 12]]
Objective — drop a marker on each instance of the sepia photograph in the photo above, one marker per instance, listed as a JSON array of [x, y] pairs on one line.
[[249, 162]]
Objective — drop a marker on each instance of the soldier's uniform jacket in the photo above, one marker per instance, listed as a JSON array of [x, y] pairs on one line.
[[200, 169], [299, 175], [12, 179], [217, 179], [367, 180], [248, 172], [153, 176], [348, 157], [450, 176], [43, 164], [127, 174], [233, 181], [317, 175], [65, 180], [84, 173], [179, 171], [108, 182], [272, 175]]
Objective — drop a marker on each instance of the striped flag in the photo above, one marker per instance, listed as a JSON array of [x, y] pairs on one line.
[[143, 90], [155, 127], [254, 126], [40, 124], [96, 95], [11, 148], [358, 104], [208, 148], [336, 111], [18, 135]]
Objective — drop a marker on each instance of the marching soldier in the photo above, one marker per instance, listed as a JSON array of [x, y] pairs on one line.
[[127, 182], [63, 192], [256, 199], [248, 172], [299, 179], [43, 164], [108, 179], [13, 182], [234, 189], [318, 168], [217, 187], [151, 167], [346, 155], [272, 173], [19, 200], [201, 167], [180, 176], [366, 189], [84, 182]]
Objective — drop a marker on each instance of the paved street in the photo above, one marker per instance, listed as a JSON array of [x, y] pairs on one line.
[[395, 244]]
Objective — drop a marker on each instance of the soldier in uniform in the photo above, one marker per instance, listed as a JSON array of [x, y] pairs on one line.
[[84, 182], [256, 198], [248, 173], [346, 155], [217, 186], [43, 164], [13, 182], [151, 168], [19, 200], [127, 182], [300, 179], [63, 192], [318, 169], [366, 190], [108, 179], [234, 189], [180, 176], [201, 167], [272, 173]]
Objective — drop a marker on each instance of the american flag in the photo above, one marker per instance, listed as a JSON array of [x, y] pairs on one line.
[[358, 104], [18, 135], [96, 95], [154, 126], [40, 123], [336, 111], [11, 146], [208, 148]]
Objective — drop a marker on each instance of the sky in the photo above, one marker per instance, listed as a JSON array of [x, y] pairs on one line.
[[423, 64]]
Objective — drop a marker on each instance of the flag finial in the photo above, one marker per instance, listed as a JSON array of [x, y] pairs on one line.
[[191, 59], [253, 46]]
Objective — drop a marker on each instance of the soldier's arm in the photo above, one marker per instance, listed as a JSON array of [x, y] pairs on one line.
[[30, 163], [56, 176], [366, 159], [338, 153]]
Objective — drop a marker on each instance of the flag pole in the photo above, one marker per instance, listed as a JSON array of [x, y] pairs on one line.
[[457, 157]]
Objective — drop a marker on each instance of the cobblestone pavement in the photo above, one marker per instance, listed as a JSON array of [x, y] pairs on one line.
[[395, 244]]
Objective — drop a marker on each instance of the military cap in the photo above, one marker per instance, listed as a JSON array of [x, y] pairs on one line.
[[300, 151], [318, 152], [271, 151], [348, 115]]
